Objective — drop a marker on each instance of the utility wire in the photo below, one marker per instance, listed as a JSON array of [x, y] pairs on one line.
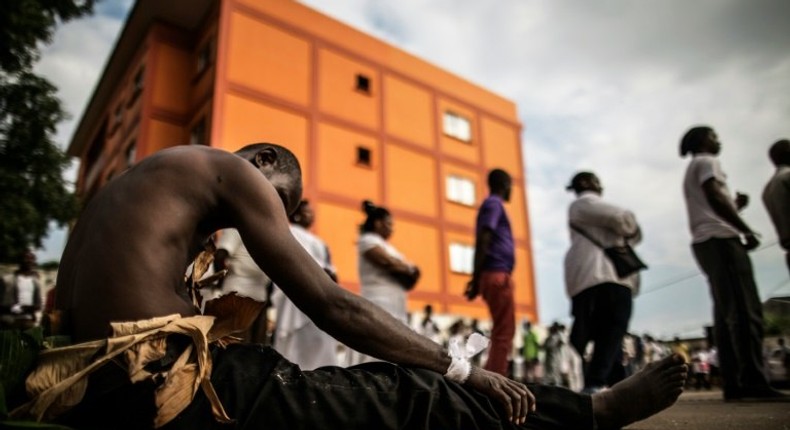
[[693, 274]]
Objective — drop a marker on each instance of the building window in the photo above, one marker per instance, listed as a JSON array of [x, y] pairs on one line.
[[461, 190], [204, 57], [457, 126], [198, 134], [118, 115], [363, 84], [363, 156], [131, 154], [137, 85], [462, 258]]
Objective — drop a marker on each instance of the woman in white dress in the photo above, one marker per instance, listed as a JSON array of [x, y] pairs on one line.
[[384, 274]]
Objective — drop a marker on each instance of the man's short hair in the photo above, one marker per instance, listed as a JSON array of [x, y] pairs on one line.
[[780, 152], [498, 179], [692, 139], [286, 160], [576, 181]]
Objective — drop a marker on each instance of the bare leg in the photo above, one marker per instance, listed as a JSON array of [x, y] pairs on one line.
[[653, 389]]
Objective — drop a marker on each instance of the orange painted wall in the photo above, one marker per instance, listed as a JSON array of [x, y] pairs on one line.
[[410, 181], [420, 243], [251, 121], [296, 85], [284, 73], [337, 93], [338, 225], [314, 23], [268, 59], [409, 112], [170, 91], [338, 171], [501, 148], [163, 135]]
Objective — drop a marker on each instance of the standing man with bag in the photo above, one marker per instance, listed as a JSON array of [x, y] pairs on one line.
[[717, 231], [601, 299]]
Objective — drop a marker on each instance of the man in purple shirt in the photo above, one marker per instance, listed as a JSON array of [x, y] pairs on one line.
[[494, 259]]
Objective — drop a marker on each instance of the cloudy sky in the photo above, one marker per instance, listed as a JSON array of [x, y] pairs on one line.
[[608, 86]]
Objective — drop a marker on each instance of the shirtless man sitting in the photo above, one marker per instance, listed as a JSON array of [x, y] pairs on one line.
[[125, 261]]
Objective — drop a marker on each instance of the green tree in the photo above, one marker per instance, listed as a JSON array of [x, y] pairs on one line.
[[32, 189]]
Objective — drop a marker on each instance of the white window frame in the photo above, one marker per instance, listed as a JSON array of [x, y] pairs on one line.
[[461, 190], [462, 258], [457, 126]]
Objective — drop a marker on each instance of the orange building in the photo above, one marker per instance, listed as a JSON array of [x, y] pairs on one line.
[[367, 121]]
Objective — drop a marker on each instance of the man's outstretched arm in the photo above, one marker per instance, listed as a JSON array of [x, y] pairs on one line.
[[351, 319]]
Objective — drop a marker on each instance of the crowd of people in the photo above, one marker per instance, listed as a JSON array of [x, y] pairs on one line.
[[598, 375]]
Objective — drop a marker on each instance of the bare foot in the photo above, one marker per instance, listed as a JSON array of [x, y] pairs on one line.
[[653, 389]]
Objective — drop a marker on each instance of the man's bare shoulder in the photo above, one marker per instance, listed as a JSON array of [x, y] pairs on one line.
[[191, 166]]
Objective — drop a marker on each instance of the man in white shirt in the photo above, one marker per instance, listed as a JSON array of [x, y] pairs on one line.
[[717, 231], [601, 300], [776, 195]]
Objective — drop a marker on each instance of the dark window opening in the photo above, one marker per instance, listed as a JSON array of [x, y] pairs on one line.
[[96, 148], [138, 80], [363, 156], [118, 117], [363, 84], [198, 134], [204, 58]]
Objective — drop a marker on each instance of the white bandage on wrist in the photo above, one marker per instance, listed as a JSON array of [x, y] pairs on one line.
[[460, 353]]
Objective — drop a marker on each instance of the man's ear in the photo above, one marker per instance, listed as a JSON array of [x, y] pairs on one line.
[[266, 156]]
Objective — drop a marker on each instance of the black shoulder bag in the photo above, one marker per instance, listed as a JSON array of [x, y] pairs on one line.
[[623, 257]]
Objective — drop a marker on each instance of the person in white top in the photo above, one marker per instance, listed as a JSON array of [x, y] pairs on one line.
[[24, 294], [296, 337], [717, 232], [776, 195], [244, 278], [385, 276], [601, 300]]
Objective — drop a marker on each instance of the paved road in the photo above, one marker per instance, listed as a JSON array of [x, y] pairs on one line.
[[706, 410]]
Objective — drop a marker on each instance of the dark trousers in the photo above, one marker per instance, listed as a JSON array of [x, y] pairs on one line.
[[601, 314], [737, 313], [260, 389]]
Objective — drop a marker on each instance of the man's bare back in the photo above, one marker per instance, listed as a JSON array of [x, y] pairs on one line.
[[126, 257]]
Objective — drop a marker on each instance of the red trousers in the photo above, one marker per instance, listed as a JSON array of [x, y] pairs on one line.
[[497, 291]]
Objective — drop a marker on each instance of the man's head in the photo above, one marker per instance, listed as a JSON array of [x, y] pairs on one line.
[[280, 167], [303, 215], [27, 261], [500, 183], [585, 181], [780, 153], [700, 139]]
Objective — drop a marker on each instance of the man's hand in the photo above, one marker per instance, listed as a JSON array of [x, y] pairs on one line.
[[514, 397], [472, 290], [752, 241]]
